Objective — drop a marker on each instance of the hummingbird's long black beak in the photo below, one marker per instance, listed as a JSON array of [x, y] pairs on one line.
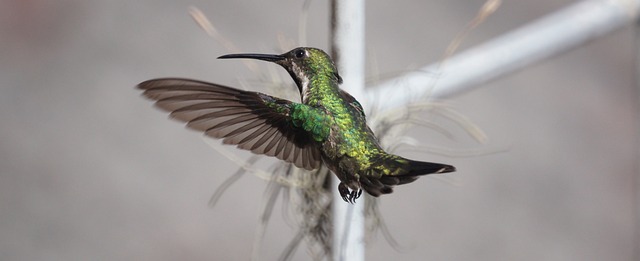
[[257, 56]]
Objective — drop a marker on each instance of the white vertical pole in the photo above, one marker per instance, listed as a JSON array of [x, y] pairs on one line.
[[637, 191], [348, 50]]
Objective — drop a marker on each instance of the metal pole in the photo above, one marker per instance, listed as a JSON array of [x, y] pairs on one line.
[[637, 179], [347, 24], [558, 32]]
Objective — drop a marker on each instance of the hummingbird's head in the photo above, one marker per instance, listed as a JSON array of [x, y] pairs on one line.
[[302, 63]]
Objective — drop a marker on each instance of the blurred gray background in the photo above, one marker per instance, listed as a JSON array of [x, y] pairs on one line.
[[89, 170]]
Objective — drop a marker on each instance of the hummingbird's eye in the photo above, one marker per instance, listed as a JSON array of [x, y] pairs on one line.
[[300, 53]]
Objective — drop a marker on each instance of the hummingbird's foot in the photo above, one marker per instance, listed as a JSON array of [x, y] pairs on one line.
[[348, 195], [344, 191]]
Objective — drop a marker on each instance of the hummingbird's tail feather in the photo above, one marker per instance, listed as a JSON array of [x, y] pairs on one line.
[[397, 171], [418, 168]]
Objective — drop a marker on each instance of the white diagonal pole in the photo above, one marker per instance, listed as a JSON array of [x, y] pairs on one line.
[[546, 37]]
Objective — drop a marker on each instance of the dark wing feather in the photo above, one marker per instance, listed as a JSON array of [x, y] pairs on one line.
[[251, 120]]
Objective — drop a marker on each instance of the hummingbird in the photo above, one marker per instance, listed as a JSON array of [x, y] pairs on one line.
[[328, 126]]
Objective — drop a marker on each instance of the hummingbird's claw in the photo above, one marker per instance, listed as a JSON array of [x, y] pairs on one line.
[[344, 191], [348, 195], [353, 195]]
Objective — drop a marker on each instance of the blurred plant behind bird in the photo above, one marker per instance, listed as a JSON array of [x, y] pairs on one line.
[[306, 195]]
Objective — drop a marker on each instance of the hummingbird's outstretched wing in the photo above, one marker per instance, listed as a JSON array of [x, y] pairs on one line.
[[251, 120]]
